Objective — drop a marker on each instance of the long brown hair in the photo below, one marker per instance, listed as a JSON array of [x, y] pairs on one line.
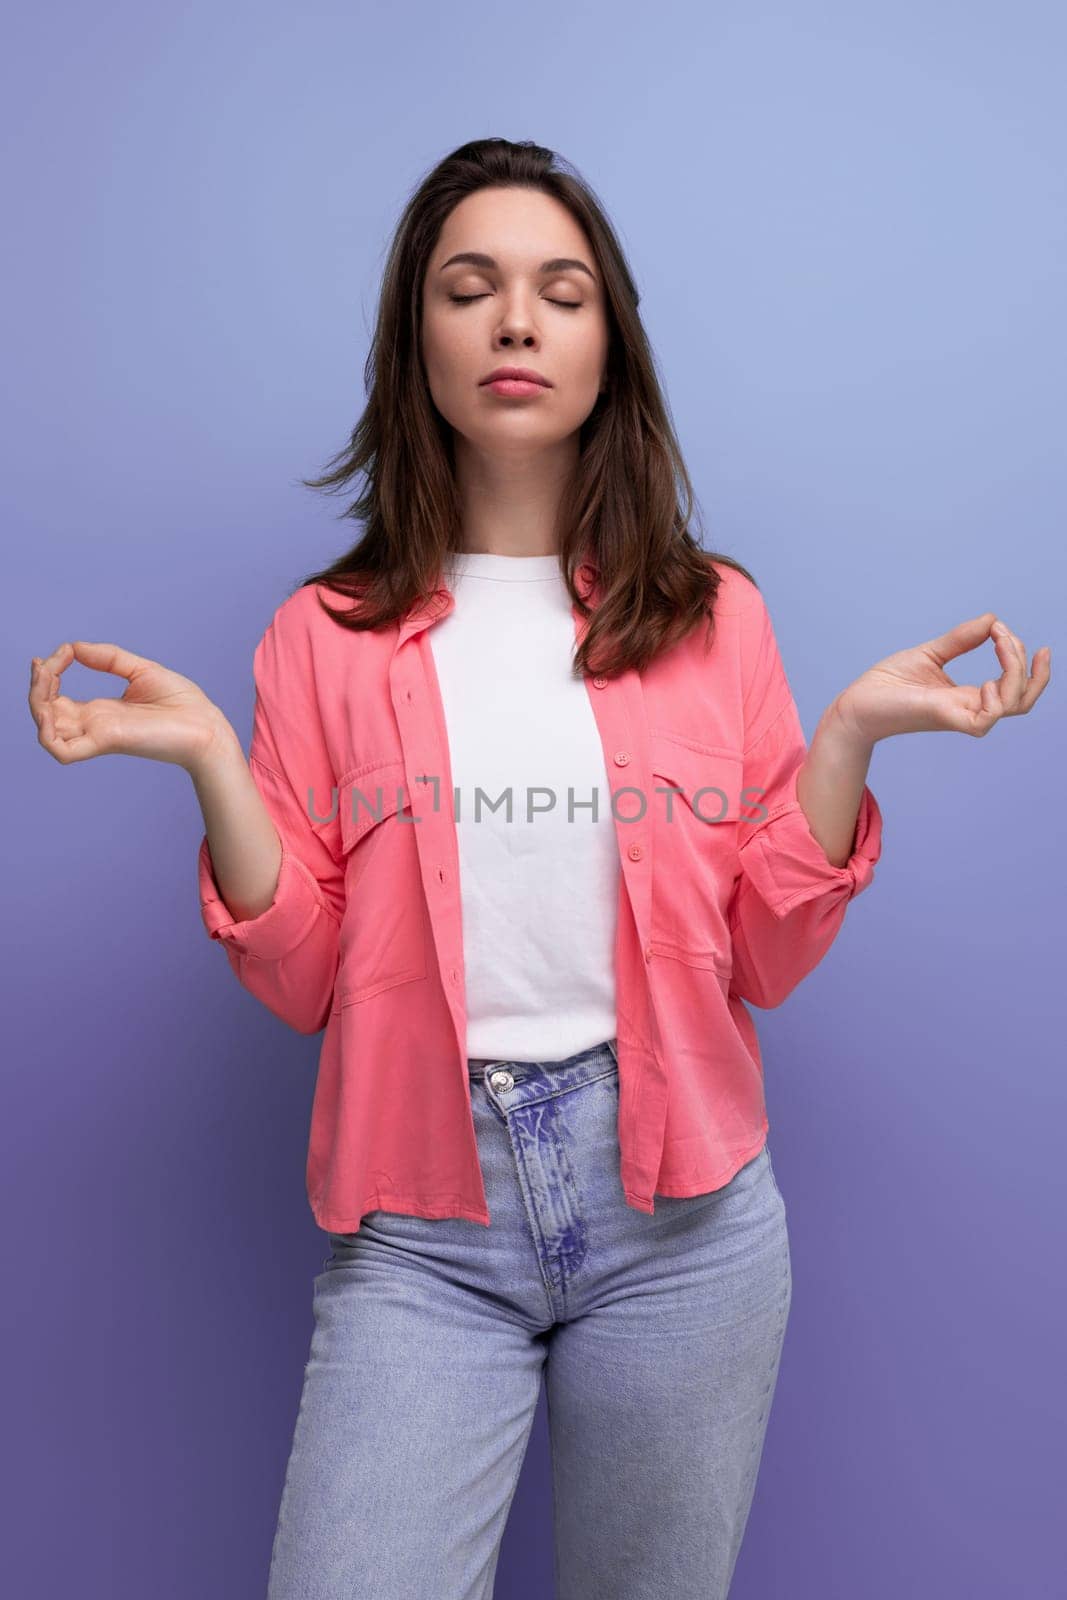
[[627, 508]]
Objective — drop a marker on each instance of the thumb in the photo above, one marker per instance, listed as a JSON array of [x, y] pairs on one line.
[[106, 657]]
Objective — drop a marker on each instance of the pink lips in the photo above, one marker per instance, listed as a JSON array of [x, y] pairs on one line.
[[517, 374], [515, 386]]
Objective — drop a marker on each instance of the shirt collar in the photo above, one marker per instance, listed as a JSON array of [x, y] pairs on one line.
[[431, 608]]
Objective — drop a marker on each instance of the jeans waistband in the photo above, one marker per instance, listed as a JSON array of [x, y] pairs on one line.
[[592, 1062]]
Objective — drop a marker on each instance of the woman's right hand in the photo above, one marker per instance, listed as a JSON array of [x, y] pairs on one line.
[[160, 715]]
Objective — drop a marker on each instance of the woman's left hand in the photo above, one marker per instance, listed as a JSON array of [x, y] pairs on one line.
[[910, 692]]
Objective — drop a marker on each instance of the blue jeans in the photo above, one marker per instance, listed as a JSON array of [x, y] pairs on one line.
[[658, 1338]]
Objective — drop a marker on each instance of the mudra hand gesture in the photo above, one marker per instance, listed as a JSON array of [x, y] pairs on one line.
[[160, 715], [910, 692]]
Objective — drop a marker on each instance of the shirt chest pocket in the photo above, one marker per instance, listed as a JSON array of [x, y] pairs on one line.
[[696, 809], [384, 928]]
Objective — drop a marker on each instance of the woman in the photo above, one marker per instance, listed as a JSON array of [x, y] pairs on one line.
[[538, 1142]]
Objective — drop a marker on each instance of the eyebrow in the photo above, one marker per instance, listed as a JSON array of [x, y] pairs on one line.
[[476, 258]]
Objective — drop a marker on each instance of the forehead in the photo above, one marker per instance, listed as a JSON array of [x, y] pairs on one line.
[[519, 228]]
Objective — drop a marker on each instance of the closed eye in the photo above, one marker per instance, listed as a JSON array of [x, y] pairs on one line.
[[465, 300]]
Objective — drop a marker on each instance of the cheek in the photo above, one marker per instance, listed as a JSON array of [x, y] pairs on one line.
[[448, 359], [579, 391], [588, 362], [435, 347], [441, 376]]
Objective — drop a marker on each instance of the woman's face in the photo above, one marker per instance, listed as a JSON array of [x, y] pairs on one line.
[[551, 320]]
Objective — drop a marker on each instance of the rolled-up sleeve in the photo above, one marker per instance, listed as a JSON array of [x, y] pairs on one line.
[[789, 900], [287, 956]]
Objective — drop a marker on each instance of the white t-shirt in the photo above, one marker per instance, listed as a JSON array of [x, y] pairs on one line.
[[539, 892]]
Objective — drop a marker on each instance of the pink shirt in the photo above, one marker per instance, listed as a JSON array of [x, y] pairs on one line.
[[364, 936]]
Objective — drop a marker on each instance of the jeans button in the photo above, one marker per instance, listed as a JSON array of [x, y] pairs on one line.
[[502, 1080]]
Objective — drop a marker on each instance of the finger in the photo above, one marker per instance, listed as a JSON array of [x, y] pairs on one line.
[[1033, 682], [45, 671], [971, 708], [1012, 658], [41, 690], [38, 706], [1021, 704], [991, 710], [45, 678], [54, 713], [35, 683], [1040, 673], [1020, 648], [1002, 628], [51, 660], [43, 707], [62, 726], [79, 747], [61, 657], [70, 717], [963, 637]]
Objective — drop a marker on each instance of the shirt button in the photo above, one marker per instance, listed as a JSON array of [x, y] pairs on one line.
[[622, 757], [648, 952], [599, 683], [636, 852], [502, 1081]]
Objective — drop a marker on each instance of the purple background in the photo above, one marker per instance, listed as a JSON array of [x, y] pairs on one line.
[[849, 235]]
